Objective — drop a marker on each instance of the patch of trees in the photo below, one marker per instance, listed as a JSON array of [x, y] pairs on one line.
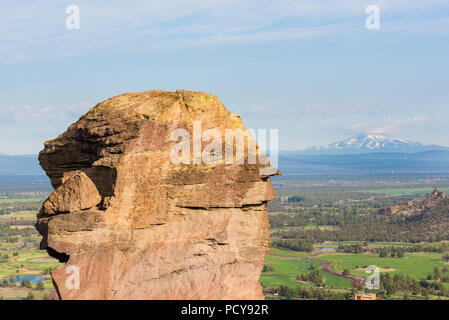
[[332, 200], [30, 296], [384, 253], [430, 226], [401, 284], [295, 244], [301, 219], [310, 293], [398, 251], [267, 268], [439, 275], [7, 232], [40, 286], [4, 257], [350, 248], [25, 283], [296, 199], [8, 283], [315, 277], [47, 271], [14, 206]]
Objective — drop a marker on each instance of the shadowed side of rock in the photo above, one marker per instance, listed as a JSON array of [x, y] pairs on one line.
[[138, 226]]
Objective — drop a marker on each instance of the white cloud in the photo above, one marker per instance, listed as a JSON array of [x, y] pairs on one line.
[[391, 125]]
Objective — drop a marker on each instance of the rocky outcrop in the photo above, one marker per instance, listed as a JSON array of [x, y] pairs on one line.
[[404, 209], [435, 197], [411, 208], [131, 223]]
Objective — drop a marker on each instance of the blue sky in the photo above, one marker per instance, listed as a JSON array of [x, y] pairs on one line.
[[308, 68]]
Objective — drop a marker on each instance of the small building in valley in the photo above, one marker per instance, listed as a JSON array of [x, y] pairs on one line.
[[365, 296]]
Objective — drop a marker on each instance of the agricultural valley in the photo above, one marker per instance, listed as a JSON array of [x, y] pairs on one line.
[[325, 232]]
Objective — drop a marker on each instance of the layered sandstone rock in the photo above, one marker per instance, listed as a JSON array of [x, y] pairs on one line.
[[76, 194], [138, 226]]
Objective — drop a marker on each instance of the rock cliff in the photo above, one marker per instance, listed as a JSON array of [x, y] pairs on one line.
[[132, 224]]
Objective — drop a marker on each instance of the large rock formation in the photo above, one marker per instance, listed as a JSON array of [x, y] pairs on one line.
[[138, 226]]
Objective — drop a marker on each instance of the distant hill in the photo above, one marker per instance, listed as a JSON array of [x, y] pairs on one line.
[[371, 143], [20, 165], [430, 223], [298, 163], [381, 163], [367, 154]]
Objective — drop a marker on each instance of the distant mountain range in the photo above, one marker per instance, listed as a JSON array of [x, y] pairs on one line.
[[370, 143], [381, 163], [365, 154], [20, 165]]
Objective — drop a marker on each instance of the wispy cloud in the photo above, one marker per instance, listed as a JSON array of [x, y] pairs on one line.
[[21, 115], [36, 29], [391, 125], [321, 111], [24, 128]]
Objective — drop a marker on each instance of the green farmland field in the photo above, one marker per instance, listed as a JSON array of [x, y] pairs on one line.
[[285, 271], [23, 215], [12, 200], [287, 264], [417, 265]]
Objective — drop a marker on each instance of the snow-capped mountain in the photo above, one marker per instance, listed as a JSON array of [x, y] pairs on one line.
[[370, 143]]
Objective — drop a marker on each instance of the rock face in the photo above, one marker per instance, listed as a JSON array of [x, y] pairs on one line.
[[135, 225]]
